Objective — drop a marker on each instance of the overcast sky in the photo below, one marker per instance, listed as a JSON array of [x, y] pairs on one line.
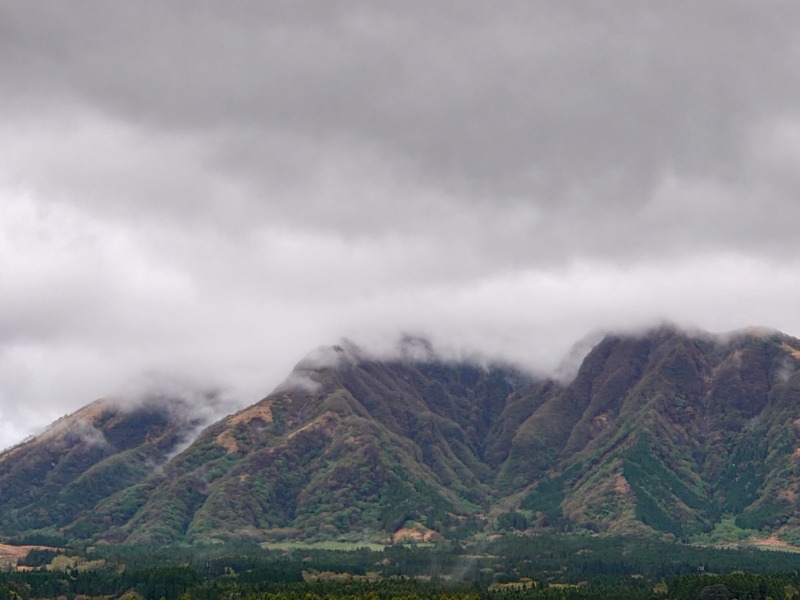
[[206, 191]]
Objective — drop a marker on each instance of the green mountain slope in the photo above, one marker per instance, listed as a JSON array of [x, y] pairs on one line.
[[353, 449], [663, 433], [57, 478], [675, 431]]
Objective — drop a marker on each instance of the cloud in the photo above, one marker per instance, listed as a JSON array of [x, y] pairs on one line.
[[217, 188], [88, 434]]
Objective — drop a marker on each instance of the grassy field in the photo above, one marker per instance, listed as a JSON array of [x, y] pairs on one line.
[[727, 534]]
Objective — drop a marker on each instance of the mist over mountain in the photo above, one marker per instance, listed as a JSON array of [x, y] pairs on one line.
[[213, 196], [664, 433]]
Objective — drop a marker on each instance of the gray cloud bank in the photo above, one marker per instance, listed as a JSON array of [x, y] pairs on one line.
[[212, 189]]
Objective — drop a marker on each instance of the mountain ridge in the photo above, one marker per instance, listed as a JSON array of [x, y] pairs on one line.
[[664, 433]]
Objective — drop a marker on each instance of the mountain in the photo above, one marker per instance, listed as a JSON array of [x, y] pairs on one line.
[[670, 432], [348, 447], [54, 479], [664, 433]]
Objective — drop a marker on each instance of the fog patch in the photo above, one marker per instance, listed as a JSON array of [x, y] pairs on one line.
[[423, 347], [414, 349], [89, 434], [329, 357], [304, 376], [298, 381], [192, 405], [187, 400], [566, 372], [786, 368], [757, 331]]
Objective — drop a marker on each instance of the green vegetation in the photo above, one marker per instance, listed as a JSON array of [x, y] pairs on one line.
[[658, 435], [512, 567], [654, 482], [725, 532], [767, 514], [546, 498], [744, 474], [512, 521]]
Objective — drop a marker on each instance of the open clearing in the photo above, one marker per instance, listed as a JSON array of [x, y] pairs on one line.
[[14, 553], [775, 544]]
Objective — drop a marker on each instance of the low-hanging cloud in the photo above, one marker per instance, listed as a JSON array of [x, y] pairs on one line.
[[212, 189]]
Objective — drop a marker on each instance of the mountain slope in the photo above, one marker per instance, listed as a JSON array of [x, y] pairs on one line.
[[662, 433], [352, 446], [675, 430], [59, 476]]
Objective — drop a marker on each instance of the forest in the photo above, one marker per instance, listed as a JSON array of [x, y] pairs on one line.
[[507, 568]]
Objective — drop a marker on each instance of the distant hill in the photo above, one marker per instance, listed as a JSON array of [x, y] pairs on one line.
[[663, 434]]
